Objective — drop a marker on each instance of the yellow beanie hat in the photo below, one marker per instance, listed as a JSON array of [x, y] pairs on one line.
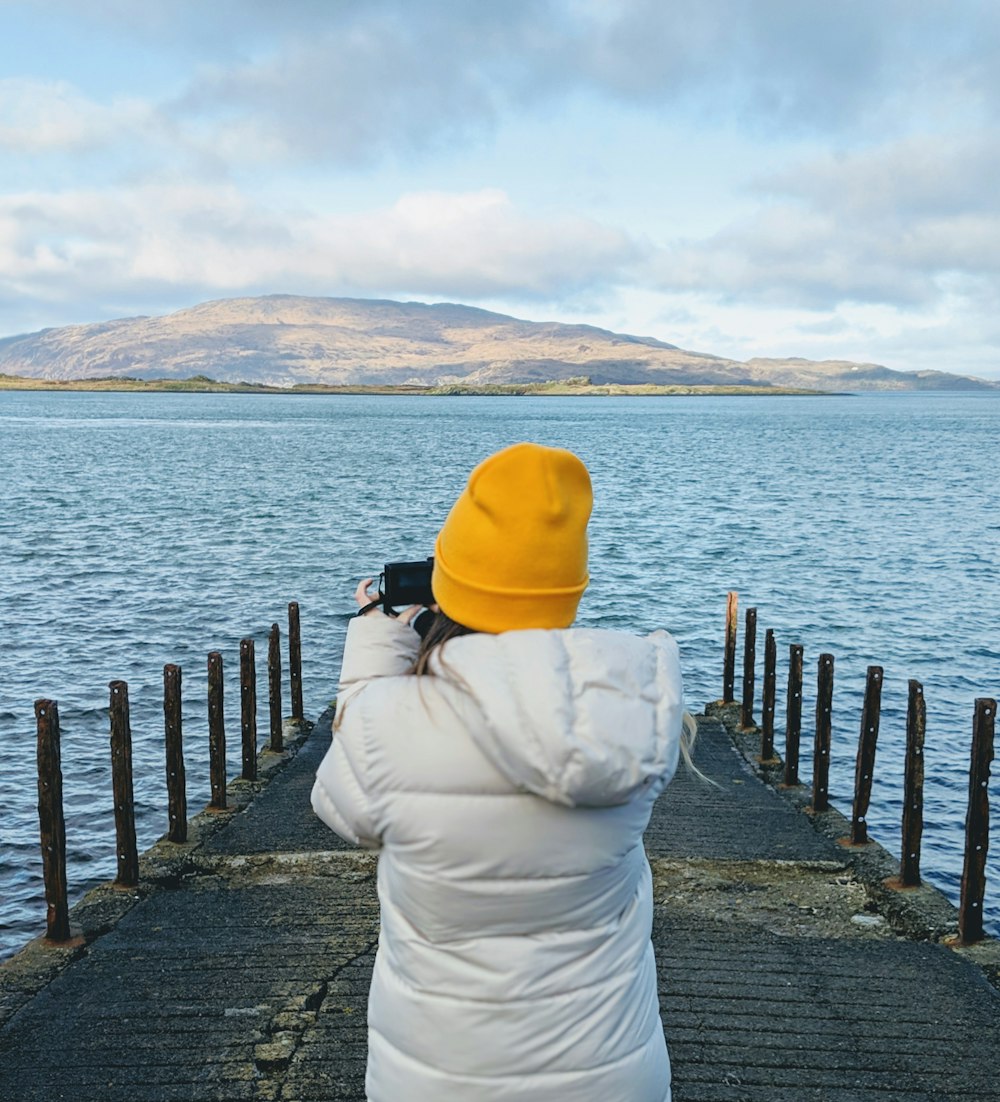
[[513, 550]]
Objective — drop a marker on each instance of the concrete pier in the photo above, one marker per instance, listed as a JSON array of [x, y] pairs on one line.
[[239, 968]]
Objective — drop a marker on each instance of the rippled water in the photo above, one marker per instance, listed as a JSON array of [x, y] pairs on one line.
[[143, 529]]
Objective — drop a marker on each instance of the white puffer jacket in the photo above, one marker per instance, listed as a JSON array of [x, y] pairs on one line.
[[509, 795]]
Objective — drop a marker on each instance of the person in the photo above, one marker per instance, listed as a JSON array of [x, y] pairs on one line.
[[505, 768]]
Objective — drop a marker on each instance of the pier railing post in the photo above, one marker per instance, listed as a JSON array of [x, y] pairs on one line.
[[216, 732], [295, 660], [729, 663], [793, 721], [52, 825], [865, 765], [121, 780], [274, 687], [173, 737], [913, 787], [749, 659], [824, 730], [977, 825], [248, 709], [767, 703]]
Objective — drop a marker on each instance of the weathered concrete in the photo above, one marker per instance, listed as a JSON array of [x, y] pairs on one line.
[[239, 967]]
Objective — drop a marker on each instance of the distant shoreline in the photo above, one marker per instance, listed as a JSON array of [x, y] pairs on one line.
[[565, 388]]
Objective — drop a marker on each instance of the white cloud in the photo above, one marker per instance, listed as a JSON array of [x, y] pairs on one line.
[[52, 116], [352, 83], [786, 256], [921, 175], [952, 336], [909, 223], [476, 244], [214, 241]]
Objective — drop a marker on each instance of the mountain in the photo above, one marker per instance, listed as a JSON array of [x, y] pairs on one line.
[[282, 340]]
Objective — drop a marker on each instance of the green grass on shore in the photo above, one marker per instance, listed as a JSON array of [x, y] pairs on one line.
[[203, 384]]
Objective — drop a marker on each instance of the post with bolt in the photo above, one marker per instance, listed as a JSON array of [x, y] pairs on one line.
[[729, 663], [121, 780], [216, 732], [295, 660], [793, 722], [824, 729], [977, 825], [248, 709], [52, 825], [274, 687], [913, 787], [767, 704], [865, 765], [749, 659], [176, 789]]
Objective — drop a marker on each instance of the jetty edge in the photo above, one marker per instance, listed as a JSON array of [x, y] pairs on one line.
[[920, 913], [239, 967], [162, 866]]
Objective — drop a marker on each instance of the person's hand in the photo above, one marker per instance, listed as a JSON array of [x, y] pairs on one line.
[[365, 599], [410, 614], [361, 594]]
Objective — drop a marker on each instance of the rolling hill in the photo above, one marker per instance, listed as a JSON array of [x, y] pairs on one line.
[[284, 340]]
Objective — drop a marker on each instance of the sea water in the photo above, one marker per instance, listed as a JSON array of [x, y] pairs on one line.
[[141, 529]]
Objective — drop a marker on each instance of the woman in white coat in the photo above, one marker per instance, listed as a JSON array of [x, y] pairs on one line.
[[505, 768]]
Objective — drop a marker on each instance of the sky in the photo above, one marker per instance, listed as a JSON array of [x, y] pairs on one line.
[[814, 178]]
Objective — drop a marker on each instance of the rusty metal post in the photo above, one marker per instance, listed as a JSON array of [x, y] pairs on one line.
[[767, 704], [248, 709], [864, 768], [913, 787], [52, 825], [274, 687], [176, 789], [121, 780], [749, 658], [977, 825], [216, 732], [824, 733], [295, 660], [793, 720], [729, 664]]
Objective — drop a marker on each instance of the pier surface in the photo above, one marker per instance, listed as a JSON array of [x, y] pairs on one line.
[[239, 970]]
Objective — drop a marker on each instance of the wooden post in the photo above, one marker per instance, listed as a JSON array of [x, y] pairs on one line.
[[248, 709], [824, 732], [749, 658], [977, 825], [729, 664], [767, 704], [52, 825], [793, 721], [865, 765], [274, 687], [295, 660], [121, 780], [913, 787], [216, 732], [176, 790]]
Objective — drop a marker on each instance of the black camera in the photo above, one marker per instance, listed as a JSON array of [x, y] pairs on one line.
[[406, 583]]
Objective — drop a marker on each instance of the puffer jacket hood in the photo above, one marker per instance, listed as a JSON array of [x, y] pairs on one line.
[[584, 717]]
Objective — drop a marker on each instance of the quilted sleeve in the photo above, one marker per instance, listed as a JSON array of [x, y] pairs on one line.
[[377, 646], [340, 796]]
